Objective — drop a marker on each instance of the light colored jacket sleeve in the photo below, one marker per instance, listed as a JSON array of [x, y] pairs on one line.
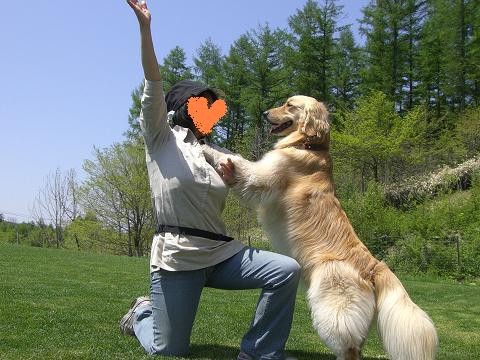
[[153, 116], [220, 149]]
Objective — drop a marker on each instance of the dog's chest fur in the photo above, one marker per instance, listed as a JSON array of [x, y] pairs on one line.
[[273, 219]]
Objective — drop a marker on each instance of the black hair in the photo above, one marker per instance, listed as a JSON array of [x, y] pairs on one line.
[[181, 118]]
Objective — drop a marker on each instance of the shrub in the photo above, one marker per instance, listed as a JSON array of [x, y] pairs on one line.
[[440, 236], [417, 189]]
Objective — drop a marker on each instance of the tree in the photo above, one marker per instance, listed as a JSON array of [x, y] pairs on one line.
[[461, 51], [392, 29], [381, 26], [345, 72], [209, 63], [435, 51], [314, 28], [449, 61], [374, 137], [53, 203], [267, 78], [233, 79], [468, 131], [412, 23], [73, 211], [174, 68], [472, 41], [134, 132], [88, 233], [117, 191]]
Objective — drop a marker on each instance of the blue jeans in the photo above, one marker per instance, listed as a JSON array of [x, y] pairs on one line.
[[164, 327]]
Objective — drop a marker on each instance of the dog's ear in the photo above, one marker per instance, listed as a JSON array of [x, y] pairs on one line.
[[315, 120]]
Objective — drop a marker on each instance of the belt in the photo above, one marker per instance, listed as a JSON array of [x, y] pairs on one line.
[[182, 230]]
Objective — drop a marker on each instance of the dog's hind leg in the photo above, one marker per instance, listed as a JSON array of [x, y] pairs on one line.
[[342, 307]]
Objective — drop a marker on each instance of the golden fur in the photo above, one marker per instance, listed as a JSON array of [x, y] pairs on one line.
[[292, 188]]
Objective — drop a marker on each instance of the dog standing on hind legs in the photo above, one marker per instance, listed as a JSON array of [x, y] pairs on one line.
[[293, 191]]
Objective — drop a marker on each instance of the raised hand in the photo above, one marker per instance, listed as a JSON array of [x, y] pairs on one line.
[[141, 11], [149, 59]]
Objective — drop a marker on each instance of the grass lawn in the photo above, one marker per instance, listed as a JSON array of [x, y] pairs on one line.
[[59, 304]]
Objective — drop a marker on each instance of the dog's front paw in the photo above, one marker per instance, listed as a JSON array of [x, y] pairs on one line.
[[226, 170]]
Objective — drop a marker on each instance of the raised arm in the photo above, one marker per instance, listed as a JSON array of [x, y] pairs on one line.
[[149, 59], [153, 115]]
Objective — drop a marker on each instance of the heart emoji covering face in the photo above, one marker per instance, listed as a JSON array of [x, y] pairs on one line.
[[205, 117]]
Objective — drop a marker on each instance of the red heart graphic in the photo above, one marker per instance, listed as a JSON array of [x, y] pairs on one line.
[[205, 117]]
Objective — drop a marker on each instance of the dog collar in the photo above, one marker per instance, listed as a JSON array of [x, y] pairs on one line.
[[308, 146]]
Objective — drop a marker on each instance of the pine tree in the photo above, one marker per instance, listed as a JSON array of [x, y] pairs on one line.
[[472, 52], [233, 80], [392, 29], [314, 28], [267, 78], [377, 73], [174, 68], [133, 131], [208, 63], [415, 13], [345, 72]]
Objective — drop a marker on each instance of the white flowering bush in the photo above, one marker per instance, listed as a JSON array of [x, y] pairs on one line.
[[417, 189]]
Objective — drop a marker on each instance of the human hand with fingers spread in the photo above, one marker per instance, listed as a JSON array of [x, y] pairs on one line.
[[141, 11]]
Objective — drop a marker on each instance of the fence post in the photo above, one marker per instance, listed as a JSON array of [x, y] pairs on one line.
[[459, 261]]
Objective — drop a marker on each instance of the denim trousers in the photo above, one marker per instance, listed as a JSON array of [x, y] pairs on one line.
[[164, 326]]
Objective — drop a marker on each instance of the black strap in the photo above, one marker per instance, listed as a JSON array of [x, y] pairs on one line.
[[182, 230]]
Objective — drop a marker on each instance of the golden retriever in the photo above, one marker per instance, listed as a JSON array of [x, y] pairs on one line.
[[292, 188]]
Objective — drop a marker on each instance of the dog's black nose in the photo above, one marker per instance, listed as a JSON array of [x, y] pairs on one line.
[[265, 115]]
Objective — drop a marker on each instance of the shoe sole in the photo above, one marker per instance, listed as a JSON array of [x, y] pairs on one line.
[[128, 316]]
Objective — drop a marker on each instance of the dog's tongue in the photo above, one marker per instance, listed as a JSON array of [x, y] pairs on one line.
[[274, 127]]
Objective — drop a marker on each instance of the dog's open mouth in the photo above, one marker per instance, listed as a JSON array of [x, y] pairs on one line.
[[276, 128]]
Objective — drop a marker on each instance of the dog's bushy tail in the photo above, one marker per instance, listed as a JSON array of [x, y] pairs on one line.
[[406, 330]]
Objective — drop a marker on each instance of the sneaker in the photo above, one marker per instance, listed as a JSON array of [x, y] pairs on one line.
[[126, 323], [243, 356]]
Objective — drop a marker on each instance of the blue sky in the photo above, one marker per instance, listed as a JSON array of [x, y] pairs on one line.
[[67, 70]]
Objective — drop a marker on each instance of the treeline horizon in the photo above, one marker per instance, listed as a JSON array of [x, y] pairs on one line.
[[416, 52]]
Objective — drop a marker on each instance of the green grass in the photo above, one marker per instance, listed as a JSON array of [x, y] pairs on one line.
[[59, 304]]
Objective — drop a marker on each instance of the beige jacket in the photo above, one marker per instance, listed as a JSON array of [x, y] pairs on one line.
[[187, 191]]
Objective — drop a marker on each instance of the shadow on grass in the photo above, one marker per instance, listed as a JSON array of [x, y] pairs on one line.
[[212, 351]]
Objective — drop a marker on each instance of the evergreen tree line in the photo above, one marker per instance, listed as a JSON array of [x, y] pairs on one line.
[[400, 103]]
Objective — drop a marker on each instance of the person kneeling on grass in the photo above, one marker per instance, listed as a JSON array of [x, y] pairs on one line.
[[190, 249]]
